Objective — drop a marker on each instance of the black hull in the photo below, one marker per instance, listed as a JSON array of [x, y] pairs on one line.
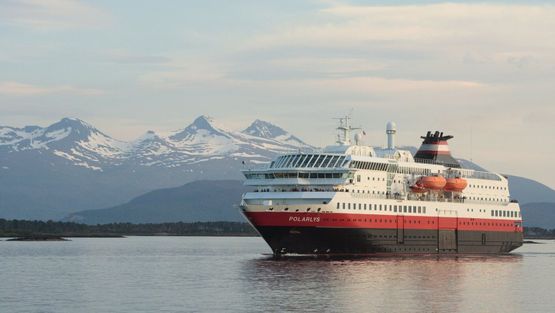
[[351, 241]]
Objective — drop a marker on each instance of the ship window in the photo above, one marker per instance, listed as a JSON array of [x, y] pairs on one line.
[[343, 205], [327, 161], [394, 208], [280, 160], [337, 205], [404, 209], [424, 209], [315, 160], [320, 160], [333, 161], [299, 160], [419, 209], [342, 161], [292, 161], [348, 206], [309, 157], [312, 161], [380, 207], [288, 162]]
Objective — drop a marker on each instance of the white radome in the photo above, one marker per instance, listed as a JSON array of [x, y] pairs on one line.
[[391, 126]]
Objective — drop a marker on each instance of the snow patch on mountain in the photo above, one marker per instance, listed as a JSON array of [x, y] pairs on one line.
[[268, 130]]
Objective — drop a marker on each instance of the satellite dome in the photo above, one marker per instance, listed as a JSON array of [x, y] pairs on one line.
[[391, 126]]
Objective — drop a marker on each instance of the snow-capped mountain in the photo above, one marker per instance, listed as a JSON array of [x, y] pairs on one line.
[[268, 130], [205, 139], [47, 172], [70, 138]]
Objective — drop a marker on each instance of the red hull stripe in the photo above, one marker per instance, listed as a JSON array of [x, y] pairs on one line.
[[342, 220]]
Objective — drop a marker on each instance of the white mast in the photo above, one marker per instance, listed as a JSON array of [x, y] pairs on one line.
[[344, 136]]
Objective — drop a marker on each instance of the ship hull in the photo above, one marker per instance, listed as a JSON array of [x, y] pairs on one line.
[[359, 233], [351, 241]]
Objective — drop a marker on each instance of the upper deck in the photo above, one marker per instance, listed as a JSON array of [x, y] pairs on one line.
[[380, 173]]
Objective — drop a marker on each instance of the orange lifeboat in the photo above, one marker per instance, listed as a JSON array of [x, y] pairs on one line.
[[432, 182], [417, 188], [455, 184]]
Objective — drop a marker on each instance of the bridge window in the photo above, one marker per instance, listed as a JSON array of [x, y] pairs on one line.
[[300, 160], [327, 161], [333, 161], [320, 161], [291, 160], [305, 162], [313, 160]]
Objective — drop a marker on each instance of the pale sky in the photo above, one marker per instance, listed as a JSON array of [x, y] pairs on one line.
[[481, 71]]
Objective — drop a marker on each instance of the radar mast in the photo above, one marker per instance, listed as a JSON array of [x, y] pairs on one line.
[[344, 131]]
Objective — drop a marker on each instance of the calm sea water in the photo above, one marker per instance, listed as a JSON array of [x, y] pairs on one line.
[[191, 274]]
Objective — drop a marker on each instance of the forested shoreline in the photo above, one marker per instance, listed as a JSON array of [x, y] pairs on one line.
[[18, 228]]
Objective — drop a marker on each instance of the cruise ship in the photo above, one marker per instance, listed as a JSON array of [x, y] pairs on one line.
[[352, 199]]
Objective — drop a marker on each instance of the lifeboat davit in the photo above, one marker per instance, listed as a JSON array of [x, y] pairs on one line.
[[432, 182], [455, 184]]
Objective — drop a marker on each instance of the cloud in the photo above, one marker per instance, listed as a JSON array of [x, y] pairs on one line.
[[51, 14], [21, 89], [505, 37], [184, 72]]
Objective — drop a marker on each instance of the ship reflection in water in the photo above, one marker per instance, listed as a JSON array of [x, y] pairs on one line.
[[463, 284]]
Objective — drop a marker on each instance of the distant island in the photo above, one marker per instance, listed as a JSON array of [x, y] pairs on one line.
[[38, 238], [50, 230]]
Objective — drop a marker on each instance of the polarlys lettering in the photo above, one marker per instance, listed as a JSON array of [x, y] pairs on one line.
[[309, 219]]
